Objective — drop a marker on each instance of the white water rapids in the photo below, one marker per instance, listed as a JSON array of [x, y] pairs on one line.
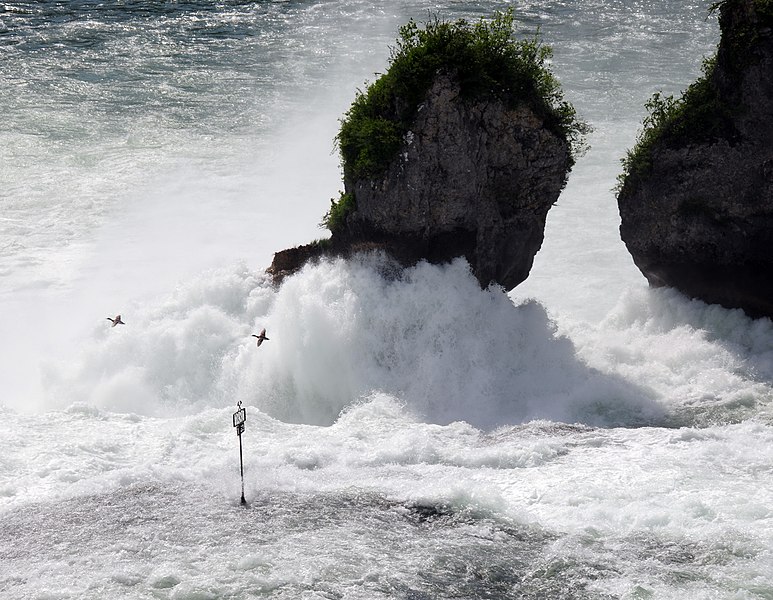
[[408, 435]]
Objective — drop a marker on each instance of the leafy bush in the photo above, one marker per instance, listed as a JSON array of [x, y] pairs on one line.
[[335, 218], [487, 60], [698, 116]]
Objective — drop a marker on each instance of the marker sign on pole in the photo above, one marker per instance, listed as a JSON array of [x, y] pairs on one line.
[[240, 416]]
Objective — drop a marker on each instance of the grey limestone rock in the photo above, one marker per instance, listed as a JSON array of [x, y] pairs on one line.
[[474, 178]]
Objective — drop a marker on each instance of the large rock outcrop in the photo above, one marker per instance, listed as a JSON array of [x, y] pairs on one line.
[[699, 215], [458, 150], [473, 179]]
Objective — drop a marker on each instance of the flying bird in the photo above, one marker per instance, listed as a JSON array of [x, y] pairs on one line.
[[116, 321], [262, 337]]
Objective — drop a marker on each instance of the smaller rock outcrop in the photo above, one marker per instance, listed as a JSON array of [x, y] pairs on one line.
[[696, 204], [460, 149], [472, 178]]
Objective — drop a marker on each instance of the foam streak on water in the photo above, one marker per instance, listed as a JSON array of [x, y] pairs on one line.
[[409, 435]]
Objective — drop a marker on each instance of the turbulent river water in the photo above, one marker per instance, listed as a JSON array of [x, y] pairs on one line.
[[408, 436]]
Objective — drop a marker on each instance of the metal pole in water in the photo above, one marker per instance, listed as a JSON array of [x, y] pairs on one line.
[[239, 417], [241, 467]]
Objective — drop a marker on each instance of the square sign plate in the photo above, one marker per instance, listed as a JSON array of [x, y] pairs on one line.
[[240, 416]]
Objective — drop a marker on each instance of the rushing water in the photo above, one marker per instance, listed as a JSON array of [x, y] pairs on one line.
[[408, 435]]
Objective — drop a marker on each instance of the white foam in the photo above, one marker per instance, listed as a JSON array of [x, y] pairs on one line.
[[704, 361], [339, 332], [431, 338]]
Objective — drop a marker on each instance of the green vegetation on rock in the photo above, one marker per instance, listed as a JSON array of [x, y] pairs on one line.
[[700, 115], [487, 61], [335, 218], [697, 116]]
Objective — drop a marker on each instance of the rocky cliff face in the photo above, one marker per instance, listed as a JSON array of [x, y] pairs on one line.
[[473, 179], [700, 217]]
